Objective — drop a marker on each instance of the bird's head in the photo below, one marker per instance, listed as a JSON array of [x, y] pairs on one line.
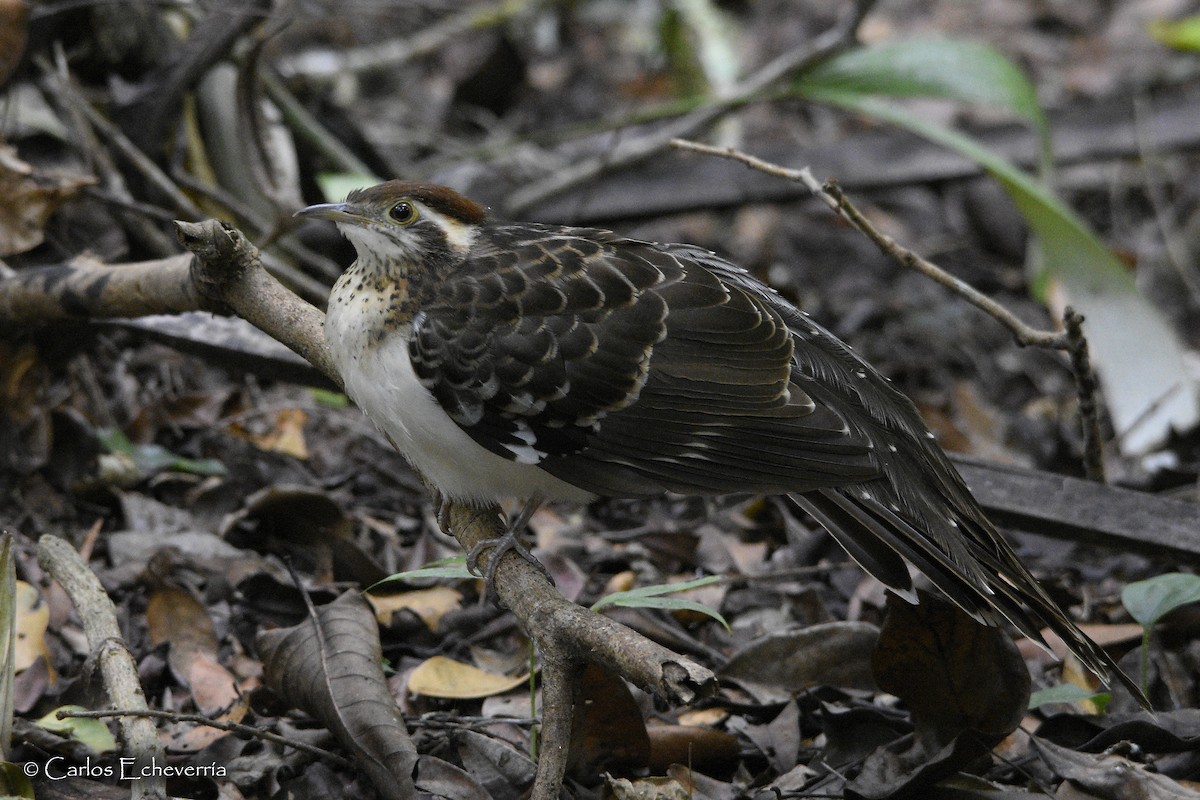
[[404, 222]]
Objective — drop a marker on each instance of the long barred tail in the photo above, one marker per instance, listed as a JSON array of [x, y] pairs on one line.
[[994, 588]]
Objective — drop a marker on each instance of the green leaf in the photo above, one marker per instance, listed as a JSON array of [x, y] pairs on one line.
[[453, 568], [950, 69], [152, 458], [699, 41], [329, 398], [953, 69], [1183, 34], [1137, 353], [14, 783], [92, 732], [1149, 600], [1067, 693], [652, 597]]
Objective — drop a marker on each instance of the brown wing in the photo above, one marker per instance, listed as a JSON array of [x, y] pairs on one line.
[[627, 369]]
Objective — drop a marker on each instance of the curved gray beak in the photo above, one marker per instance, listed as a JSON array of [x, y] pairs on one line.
[[338, 212]]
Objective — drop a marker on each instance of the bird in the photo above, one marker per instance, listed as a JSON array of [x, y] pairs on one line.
[[517, 360]]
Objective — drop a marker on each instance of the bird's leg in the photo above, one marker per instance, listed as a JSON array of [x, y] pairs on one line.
[[510, 541]]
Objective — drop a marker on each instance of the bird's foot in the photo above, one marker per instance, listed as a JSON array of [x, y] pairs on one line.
[[501, 546]]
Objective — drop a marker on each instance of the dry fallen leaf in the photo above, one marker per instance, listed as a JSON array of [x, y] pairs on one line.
[[608, 733], [704, 749], [331, 666], [444, 677], [964, 682], [428, 604], [777, 666], [175, 616], [28, 198], [954, 673], [14, 32], [286, 435], [33, 618]]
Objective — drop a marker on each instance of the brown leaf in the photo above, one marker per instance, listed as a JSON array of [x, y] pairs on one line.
[[214, 689], [14, 31], [965, 684], [440, 778], [900, 770], [173, 615], [440, 676], [1110, 777], [780, 665], [493, 759], [954, 673], [285, 436], [429, 604], [704, 749], [331, 667], [651, 788], [608, 732], [32, 620], [307, 525], [27, 200]]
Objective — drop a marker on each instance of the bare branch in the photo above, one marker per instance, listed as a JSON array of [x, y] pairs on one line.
[[99, 618], [632, 151], [833, 196]]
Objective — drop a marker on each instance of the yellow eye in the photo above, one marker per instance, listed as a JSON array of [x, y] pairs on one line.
[[403, 213]]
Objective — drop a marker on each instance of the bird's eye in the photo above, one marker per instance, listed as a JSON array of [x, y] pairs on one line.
[[404, 213]]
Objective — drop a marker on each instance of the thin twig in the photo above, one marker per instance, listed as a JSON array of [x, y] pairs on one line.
[[1025, 334], [390, 54], [632, 151], [231, 727], [1071, 339], [836, 199], [305, 125], [121, 143], [1085, 387]]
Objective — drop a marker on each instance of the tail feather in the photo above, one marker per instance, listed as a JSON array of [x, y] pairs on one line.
[[993, 588]]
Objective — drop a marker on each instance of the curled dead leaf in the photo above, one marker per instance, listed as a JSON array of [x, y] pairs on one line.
[[28, 198], [331, 666]]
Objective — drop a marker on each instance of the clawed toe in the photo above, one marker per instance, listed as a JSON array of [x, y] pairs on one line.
[[501, 546]]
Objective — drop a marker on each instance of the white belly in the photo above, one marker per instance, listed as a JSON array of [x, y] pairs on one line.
[[381, 381]]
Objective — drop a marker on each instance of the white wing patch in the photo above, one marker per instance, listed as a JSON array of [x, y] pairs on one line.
[[526, 453]]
